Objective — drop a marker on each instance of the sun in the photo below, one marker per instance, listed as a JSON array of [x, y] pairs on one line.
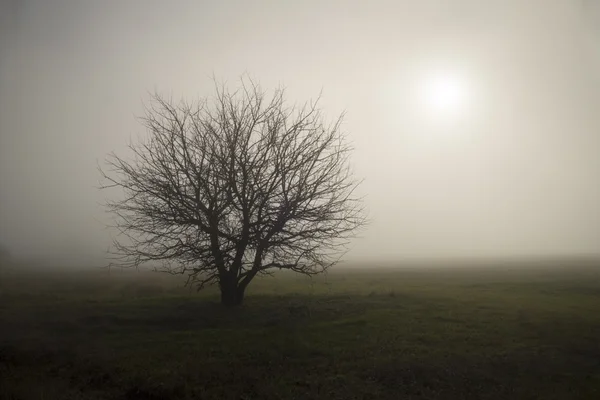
[[443, 95], [432, 99]]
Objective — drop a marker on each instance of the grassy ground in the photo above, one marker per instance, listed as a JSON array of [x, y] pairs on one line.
[[511, 331]]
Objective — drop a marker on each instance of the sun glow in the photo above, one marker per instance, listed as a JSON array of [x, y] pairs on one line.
[[443, 95], [428, 100]]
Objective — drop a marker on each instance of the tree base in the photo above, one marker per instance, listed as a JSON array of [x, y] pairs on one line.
[[231, 296]]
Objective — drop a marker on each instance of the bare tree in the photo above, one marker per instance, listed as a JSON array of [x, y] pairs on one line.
[[228, 188]]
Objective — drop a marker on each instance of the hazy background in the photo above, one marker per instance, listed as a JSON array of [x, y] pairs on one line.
[[517, 174]]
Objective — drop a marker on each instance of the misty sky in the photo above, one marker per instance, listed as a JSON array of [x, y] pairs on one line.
[[514, 170]]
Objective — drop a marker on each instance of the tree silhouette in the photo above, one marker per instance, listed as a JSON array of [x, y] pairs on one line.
[[226, 189]]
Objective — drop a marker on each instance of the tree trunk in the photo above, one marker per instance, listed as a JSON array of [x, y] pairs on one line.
[[232, 294]]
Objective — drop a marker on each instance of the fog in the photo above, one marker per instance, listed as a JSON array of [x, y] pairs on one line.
[[508, 165]]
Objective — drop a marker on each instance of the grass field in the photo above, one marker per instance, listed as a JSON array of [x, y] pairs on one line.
[[507, 331]]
